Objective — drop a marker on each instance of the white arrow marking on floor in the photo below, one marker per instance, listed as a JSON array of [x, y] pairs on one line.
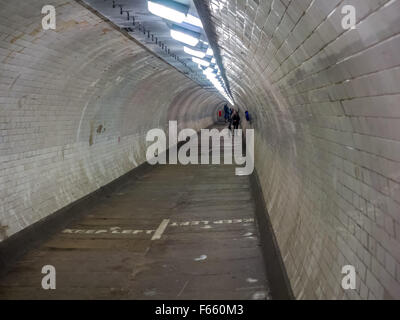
[[160, 230]]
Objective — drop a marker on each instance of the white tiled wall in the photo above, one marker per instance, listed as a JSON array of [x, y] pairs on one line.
[[325, 103]]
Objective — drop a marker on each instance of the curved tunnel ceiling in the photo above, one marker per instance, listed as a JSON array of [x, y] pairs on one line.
[[153, 31]]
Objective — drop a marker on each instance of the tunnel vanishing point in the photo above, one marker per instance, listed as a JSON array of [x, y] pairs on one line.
[[84, 215]]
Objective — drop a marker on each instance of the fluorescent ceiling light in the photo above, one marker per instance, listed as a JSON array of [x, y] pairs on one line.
[[193, 21], [212, 80], [213, 60], [210, 75], [201, 62], [168, 9], [209, 52], [196, 53], [210, 70], [184, 35]]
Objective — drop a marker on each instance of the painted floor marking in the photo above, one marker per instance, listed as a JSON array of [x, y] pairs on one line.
[[207, 222], [113, 230], [160, 230]]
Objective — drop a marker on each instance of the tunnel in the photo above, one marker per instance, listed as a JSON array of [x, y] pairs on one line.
[[316, 82]]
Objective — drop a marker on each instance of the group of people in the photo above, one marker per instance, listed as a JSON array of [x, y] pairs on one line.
[[232, 116]]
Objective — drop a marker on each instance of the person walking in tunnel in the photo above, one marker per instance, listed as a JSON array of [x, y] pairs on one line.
[[247, 115], [235, 120], [230, 113], [226, 113]]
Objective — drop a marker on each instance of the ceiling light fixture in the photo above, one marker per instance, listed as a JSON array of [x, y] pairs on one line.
[[196, 53], [210, 70], [168, 9], [185, 36], [201, 62], [193, 21]]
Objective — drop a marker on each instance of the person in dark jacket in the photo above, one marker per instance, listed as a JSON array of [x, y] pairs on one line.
[[235, 120], [230, 118], [247, 116], [226, 113]]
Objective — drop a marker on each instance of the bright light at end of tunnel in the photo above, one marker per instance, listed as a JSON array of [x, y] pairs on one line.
[[184, 38], [165, 12], [218, 83], [196, 53]]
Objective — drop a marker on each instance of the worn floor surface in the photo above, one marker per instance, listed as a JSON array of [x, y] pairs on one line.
[[209, 248]]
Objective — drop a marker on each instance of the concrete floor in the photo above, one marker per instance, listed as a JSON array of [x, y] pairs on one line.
[[209, 250]]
